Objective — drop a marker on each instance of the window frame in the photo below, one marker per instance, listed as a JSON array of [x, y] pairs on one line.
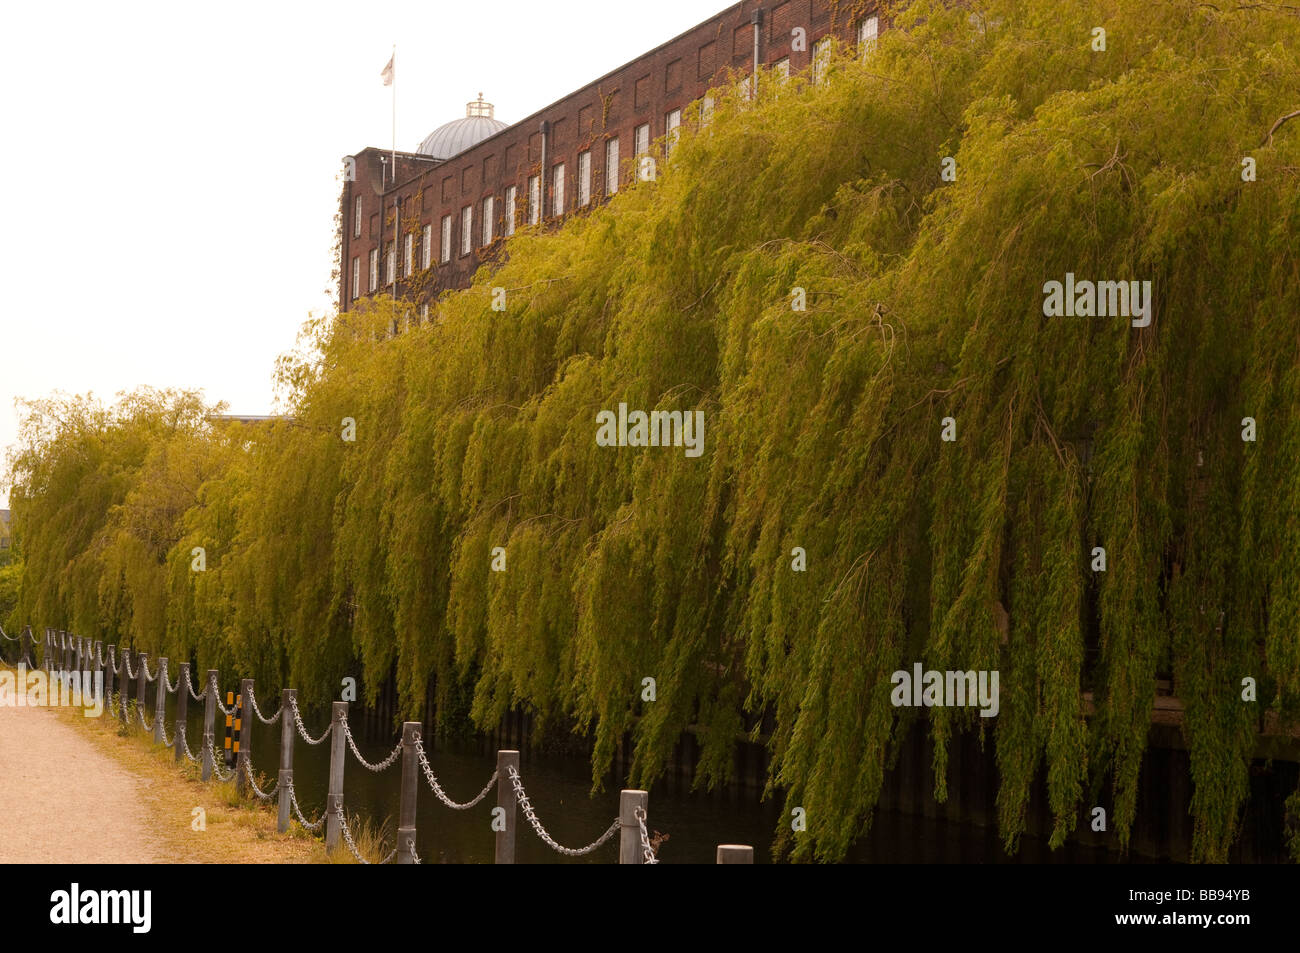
[[612, 172], [444, 253]]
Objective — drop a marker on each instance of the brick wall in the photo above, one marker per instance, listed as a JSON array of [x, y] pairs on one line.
[[641, 92]]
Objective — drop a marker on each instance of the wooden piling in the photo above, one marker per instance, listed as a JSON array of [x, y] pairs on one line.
[[505, 853], [182, 709], [334, 799], [160, 704], [141, 683], [209, 723], [410, 794], [124, 693], [288, 700], [110, 664], [629, 844], [735, 854]]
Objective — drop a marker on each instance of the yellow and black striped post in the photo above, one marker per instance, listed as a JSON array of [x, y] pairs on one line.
[[230, 721]]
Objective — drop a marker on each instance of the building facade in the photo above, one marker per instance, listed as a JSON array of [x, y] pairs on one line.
[[417, 224]]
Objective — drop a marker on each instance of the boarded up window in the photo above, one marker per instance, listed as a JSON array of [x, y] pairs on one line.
[[673, 76], [535, 147], [467, 179], [743, 41], [489, 169], [448, 188], [586, 121], [782, 20], [707, 61], [642, 93]]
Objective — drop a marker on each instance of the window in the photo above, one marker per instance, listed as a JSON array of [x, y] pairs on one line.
[[672, 127], [390, 263], [706, 110], [511, 194], [426, 247], [821, 58], [356, 278], [424, 313], [641, 143], [611, 166], [356, 218], [446, 239], [747, 87], [557, 190], [488, 204], [534, 199], [781, 69], [409, 256], [584, 179], [467, 229], [374, 269], [868, 30]]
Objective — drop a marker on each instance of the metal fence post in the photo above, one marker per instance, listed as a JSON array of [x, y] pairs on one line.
[[182, 710], [410, 794], [508, 802], [160, 703], [334, 799], [209, 722], [735, 854], [288, 703], [629, 842], [244, 736]]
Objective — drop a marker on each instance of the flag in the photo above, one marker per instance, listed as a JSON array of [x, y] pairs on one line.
[[387, 74]]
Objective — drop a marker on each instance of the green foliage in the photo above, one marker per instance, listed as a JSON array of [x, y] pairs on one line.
[[925, 301]]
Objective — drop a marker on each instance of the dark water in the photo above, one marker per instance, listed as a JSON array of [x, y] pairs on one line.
[[559, 787]]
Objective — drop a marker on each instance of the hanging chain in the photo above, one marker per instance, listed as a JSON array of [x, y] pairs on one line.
[[185, 744], [647, 851], [261, 795], [252, 699], [144, 662], [190, 685], [297, 720], [293, 802], [377, 768], [437, 788], [541, 831], [216, 696]]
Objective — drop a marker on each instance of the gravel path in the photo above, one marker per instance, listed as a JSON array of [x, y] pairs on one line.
[[67, 802]]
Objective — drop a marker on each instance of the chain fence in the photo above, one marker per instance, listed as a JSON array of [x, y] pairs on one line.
[[549, 841], [104, 656], [297, 720], [252, 701], [437, 788], [377, 768]]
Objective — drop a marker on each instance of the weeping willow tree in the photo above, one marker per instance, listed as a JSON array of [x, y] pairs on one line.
[[918, 202]]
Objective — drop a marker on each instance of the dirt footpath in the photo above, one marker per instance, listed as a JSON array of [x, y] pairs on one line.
[[65, 801]]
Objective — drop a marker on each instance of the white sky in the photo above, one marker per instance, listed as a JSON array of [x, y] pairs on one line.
[[169, 214]]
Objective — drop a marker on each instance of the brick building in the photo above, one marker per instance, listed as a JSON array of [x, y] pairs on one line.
[[424, 226]]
